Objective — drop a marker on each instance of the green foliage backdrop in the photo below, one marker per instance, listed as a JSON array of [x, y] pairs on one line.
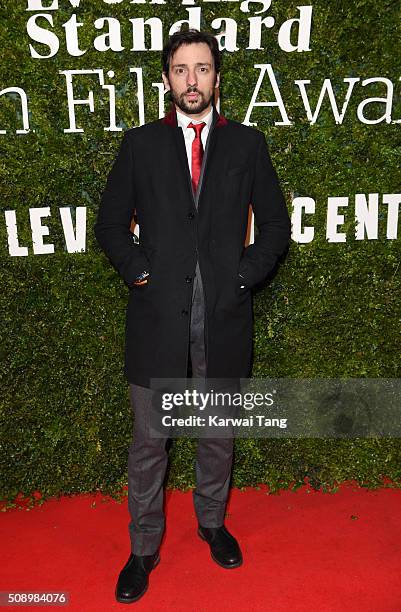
[[332, 311]]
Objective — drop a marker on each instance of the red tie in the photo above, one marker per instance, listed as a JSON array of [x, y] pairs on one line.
[[197, 153]]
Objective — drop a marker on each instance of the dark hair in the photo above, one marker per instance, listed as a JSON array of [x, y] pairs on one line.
[[187, 37]]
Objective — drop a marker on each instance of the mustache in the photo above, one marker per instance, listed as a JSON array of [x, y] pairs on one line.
[[192, 90]]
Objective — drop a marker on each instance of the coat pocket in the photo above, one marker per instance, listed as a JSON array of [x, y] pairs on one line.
[[149, 252], [238, 169]]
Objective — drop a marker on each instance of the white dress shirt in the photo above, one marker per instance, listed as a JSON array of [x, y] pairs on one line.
[[189, 133]]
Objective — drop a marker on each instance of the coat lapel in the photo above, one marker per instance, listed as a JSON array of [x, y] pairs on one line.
[[182, 158], [208, 149]]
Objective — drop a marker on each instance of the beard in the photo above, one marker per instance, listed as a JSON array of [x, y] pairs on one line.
[[191, 108]]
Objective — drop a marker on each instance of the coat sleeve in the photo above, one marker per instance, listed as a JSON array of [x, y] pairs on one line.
[[271, 218], [112, 227]]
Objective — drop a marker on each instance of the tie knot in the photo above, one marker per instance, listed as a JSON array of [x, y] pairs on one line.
[[198, 127]]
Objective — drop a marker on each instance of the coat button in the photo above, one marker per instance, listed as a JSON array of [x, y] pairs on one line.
[[188, 279], [184, 312], [191, 215]]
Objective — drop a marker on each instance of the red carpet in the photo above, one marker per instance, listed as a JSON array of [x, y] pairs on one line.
[[304, 551]]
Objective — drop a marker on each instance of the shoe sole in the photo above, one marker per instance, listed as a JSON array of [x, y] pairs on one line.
[[231, 566], [133, 599]]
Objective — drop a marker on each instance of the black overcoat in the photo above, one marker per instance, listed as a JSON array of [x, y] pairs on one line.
[[151, 176]]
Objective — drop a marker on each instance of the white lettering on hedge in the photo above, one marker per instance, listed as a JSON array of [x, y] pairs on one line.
[[334, 219], [255, 30], [37, 5], [18, 91], [139, 93], [267, 68], [39, 230], [71, 36], [367, 216], [245, 5], [293, 34], [193, 21], [112, 104], [90, 100], [264, 69], [388, 101], [41, 35], [153, 1], [73, 102], [14, 247], [393, 201], [304, 22], [326, 87], [138, 34], [227, 38], [110, 39], [302, 205], [75, 241]]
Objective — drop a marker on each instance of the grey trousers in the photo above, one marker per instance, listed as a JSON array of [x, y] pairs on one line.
[[147, 457]]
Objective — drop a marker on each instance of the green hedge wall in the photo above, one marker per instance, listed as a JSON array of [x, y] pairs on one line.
[[332, 311]]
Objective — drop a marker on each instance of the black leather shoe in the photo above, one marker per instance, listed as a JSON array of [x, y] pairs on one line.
[[134, 577], [224, 548]]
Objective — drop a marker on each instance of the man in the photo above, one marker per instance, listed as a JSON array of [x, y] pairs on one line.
[[190, 177]]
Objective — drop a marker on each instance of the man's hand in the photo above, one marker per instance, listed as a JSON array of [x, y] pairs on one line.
[[141, 279]]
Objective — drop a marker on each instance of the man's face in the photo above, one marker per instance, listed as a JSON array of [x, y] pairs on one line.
[[192, 79]]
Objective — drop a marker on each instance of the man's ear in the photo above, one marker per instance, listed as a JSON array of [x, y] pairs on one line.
[[165, 81], [217, 80]]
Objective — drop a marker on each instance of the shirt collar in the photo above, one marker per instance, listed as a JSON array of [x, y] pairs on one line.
[[184, 120]]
